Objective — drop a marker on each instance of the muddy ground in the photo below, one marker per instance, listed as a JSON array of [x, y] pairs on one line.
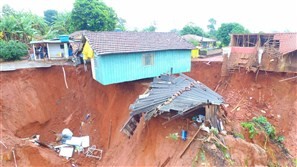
[[36, 101]]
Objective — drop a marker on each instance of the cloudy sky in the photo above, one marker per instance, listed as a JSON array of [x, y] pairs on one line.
[[256, 15]]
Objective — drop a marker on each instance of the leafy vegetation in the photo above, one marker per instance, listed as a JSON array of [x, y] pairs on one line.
[[200, 157], [211, 27], [191, 28], [268, 128], [62, 24], [50, 16], [238, 135], [173, 136], [21, 26], [12, 50], [251, 127], [93, 15], [223, 33], [151, 28], [262, 124]]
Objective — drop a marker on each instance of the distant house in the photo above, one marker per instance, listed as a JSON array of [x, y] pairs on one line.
[[205, 46], [269, 51], [126, 56], [54, 49], [201, 41]]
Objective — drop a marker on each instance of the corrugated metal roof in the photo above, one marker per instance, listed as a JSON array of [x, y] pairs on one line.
[[129, 42], [174, 93], [288, 42]]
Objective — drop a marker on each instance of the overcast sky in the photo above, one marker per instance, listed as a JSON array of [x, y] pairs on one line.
[[255, 15]]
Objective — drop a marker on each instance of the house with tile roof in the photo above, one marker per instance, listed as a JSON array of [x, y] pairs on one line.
[[264, 51], [126, 56]]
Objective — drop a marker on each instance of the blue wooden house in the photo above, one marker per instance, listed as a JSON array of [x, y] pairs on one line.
[[126, 56]]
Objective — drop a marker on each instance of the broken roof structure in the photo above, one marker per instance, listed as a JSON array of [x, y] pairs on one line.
[[264, 51], [178, 95]]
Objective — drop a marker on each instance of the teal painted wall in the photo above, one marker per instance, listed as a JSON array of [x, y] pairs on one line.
[[116, 68]]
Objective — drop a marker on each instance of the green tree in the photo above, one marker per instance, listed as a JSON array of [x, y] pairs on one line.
[[93, 15], [22, 26], [62, 23], [7, 10], [211, 27], [223, 33], [50, 16], [191, 28], [120, 26], [175, 31], [151, 28], [12, 50]]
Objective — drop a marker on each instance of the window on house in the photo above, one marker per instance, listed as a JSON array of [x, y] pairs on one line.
[[61, 46], [148, 59]]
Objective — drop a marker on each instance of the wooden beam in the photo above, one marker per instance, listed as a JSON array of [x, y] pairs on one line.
[[166, 162], [287, 79]]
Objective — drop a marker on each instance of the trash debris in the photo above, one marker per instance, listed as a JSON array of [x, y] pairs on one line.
[[85, 141], [70, 144], [93, 152], [66, 135], [14, 158], [3, 144], [199, 118], [263, 111], [66, 152], [74, 141], [187, 146], [88, 116], [205, 128], [184, 135], [34, 139]]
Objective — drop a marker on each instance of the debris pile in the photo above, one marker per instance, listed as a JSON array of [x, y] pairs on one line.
[[67, 144], [177, 96]]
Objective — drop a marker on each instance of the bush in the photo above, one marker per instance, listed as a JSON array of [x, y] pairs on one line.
[[12, 50]]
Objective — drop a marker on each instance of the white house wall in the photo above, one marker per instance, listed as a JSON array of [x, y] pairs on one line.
[[55, 51]]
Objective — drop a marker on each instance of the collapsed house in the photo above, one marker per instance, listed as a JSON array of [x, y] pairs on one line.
[[269, 52], [177, 96]]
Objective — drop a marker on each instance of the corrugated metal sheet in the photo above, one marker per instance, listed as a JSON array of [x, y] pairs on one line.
[[118, 68], [174, 93]]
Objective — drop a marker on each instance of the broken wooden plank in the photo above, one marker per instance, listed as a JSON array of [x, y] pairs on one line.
[[187, 146], [165, 162], [287, 79]]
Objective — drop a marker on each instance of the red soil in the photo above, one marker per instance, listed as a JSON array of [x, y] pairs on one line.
[[36, 101]]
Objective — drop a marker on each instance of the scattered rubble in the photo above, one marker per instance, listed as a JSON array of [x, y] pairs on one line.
[[70, 144]]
